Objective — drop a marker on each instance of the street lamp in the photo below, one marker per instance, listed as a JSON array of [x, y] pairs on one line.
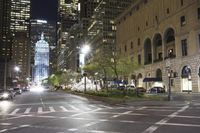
[[83, 52]]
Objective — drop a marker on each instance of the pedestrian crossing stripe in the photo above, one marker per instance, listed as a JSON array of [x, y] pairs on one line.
[[49, 109]]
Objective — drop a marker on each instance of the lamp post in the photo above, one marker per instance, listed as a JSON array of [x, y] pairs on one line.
[[169, 84], [84, 51], [169, 74]]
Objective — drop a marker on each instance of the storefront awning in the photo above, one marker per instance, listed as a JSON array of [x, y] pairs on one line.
[[152, 79]]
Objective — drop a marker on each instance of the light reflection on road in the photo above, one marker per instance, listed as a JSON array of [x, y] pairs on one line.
[[5, 106]]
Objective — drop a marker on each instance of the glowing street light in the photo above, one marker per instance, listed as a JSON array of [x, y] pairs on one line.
[[17, 69], [85, 49]]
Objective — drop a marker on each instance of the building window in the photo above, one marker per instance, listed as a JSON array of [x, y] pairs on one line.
[[167, 10], [146, 23], [131, 45], [125, 49], [139, 59], [199, 41], [183, 21], [184, 47], [145, 1], [138, 41], [181, 2], [138, 28], [198, 13]]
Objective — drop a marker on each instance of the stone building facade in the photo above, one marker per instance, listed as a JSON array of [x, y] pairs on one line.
[[164, 37]]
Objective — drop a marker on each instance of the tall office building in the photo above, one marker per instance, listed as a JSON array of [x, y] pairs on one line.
[[20, 15], [49, 29], [86, 11], [102, 28], [5, 39], [67, 16]]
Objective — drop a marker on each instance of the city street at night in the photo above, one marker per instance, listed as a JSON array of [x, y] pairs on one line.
[[58, 112]]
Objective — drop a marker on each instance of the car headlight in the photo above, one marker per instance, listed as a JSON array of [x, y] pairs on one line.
[[5, 95]]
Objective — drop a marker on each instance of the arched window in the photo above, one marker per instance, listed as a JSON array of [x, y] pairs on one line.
[[186, 72], [159, 74], [147, 51]]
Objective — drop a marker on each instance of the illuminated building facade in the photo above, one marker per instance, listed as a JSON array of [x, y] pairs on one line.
[[165, 41], [49, 29], [41, 60]]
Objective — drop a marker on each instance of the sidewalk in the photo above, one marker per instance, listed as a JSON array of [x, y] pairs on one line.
[[186, 97]]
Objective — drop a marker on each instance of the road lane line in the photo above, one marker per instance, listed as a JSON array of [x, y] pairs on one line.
[[179, 124], [73, 107], [5, 124], [40, 110], [87, 108], [120, 114], [15, 111], [154, 127], [27, 111], [63, 108], [4, 130], [52, 109]]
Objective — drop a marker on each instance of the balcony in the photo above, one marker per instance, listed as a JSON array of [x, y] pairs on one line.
[[158, 60], [170, 56]]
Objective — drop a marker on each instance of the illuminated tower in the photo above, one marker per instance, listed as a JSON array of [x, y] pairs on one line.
[[41, 64]]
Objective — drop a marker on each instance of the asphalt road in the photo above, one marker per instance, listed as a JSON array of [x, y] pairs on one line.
[[58, 112]]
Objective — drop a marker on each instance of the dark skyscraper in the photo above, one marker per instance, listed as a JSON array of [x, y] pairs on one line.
[[5, 39]]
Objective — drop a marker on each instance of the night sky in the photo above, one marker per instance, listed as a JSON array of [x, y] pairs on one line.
[[44, 9]]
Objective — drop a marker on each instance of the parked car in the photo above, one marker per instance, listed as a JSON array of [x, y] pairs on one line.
[[17, 90], [141, 89], [130, 87], [121, 87], [6, 95], [157, 90]]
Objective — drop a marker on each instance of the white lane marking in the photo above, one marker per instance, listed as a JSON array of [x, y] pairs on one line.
[[4, 130], [106, 107], [63, 108], [40, 110], [179, 124], [22, 126], [15, 111], [120, 114], [87, 108], [52, 109], [92, 106], [124, 121], [27, 111], [97, 131], [89, 124], [141, 108], [73, 107], [13, 128], [72, 129], [5, 124], [86, 112], [154, 127]]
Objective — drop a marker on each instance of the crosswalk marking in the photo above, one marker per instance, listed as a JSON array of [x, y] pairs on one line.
[[40, 110], [74, 107], [86, 108], [52, 109], [63, 108], [15, 111], [27, 111], [70, 107]]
